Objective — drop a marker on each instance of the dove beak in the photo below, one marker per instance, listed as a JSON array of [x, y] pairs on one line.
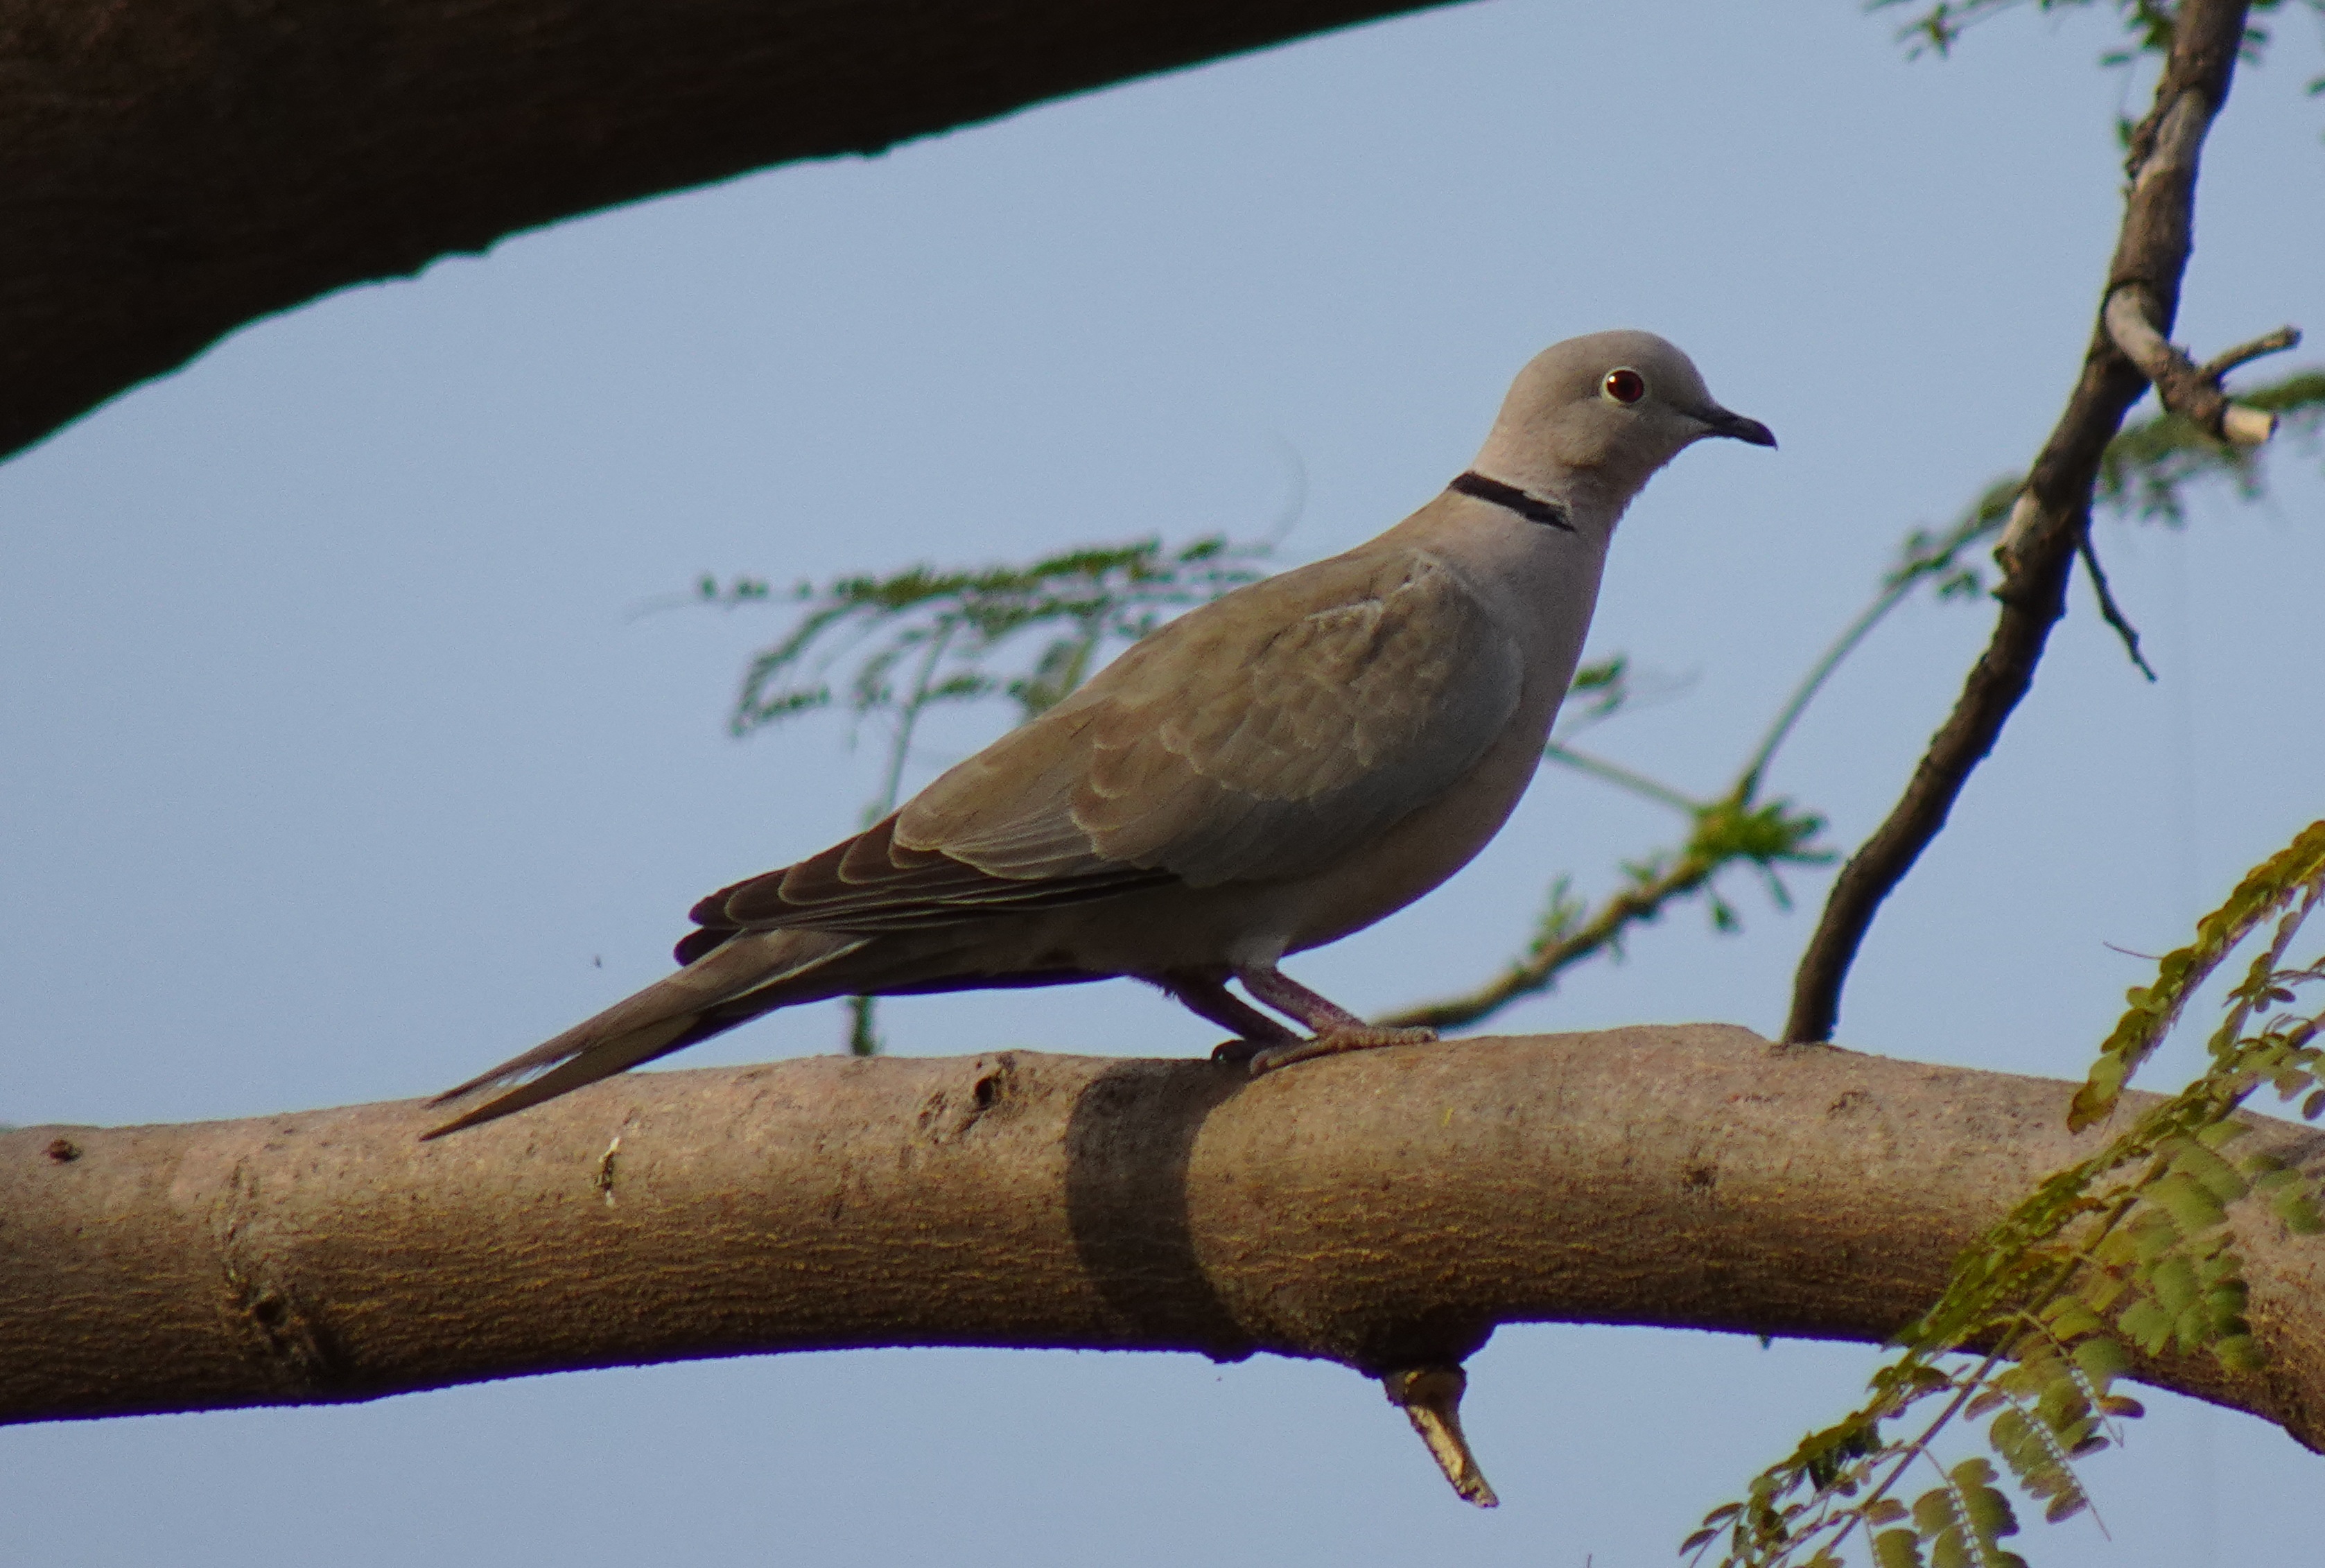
[[1723, 423]]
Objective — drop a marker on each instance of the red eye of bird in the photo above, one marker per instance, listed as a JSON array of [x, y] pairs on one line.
[[1626, 385]]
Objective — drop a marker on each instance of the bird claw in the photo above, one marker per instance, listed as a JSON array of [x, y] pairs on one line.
[[1268, 1059]]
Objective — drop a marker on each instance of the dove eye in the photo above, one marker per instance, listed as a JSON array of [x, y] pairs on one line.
[[1624, 385]]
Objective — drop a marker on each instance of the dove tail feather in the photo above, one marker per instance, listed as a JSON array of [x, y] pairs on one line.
[[730, 986]]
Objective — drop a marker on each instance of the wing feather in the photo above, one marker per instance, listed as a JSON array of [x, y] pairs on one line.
[[1258, 739]]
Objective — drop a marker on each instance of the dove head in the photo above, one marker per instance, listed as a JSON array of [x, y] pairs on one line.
[[1589, 420]]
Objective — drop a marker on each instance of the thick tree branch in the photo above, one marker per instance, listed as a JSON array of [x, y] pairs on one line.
[[1384, 1209], [173, 168], [2038, 550]]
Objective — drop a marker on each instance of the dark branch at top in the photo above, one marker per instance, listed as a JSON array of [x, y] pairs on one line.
[[173, 169]]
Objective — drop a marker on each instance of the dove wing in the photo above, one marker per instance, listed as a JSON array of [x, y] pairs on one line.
[[1259, 738]]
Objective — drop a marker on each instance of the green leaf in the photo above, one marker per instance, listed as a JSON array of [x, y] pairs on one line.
[[2192, 1207], [2098, 1094], [2062, 1405], [1897, 1549], [2152, 1233], [2147, 1325], [2294, 1205], [2225, 1299], [1934, 1511], [2070, 1318], [2208, 1170], [2100, 1292], [2065, 1506], [2219, 1135], [2012, 1436], [2174, 1281], [1988, 1511], [2102, 1359], [2241, 1353]]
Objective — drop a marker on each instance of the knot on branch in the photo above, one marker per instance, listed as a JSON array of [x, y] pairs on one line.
[[2190, 390]]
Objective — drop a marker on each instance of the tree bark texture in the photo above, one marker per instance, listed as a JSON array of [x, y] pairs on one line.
[[1385, 1208], [173, 168]]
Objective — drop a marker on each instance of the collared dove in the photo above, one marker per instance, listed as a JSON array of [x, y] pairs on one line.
[[1265, 774]]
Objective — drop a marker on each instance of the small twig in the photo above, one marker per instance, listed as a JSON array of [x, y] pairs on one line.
[[1430, 1398], [908, 719], [2244, 354], [2108, 610], [1621, 777], [1634, 904], [863, 1028], [2046, 525], [1856, 632]]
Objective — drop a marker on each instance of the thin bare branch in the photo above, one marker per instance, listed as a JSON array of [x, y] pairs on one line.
[[1735, 830], [1560, 946], [1621, 777], [2152, 253], [2244, 354], [2108, 610]]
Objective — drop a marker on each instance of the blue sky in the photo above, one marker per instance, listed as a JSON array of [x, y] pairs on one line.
[[342, 763]]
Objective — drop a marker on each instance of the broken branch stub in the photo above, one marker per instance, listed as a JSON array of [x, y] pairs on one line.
[[2190, 390]]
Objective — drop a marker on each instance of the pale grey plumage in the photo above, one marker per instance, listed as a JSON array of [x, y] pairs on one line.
[[1268, 773]]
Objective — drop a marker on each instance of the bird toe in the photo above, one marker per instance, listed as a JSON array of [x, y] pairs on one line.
[[1333, 1044]]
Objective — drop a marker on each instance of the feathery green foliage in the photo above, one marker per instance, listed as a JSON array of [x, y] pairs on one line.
[[2145, 475], [2147, 470], [943, 629], [2146, 25], [2129, 1250]]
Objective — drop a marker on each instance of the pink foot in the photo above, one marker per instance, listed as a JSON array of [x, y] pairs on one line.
[[1268, 1059]]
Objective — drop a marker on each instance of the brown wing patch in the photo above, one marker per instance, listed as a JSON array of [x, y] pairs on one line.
[[871, 884]]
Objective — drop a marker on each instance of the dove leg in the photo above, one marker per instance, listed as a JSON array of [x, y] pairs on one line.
[[1336, 1028], [1205, 994]]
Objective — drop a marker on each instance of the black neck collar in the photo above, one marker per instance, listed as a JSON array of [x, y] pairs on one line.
[[1533, 508]]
